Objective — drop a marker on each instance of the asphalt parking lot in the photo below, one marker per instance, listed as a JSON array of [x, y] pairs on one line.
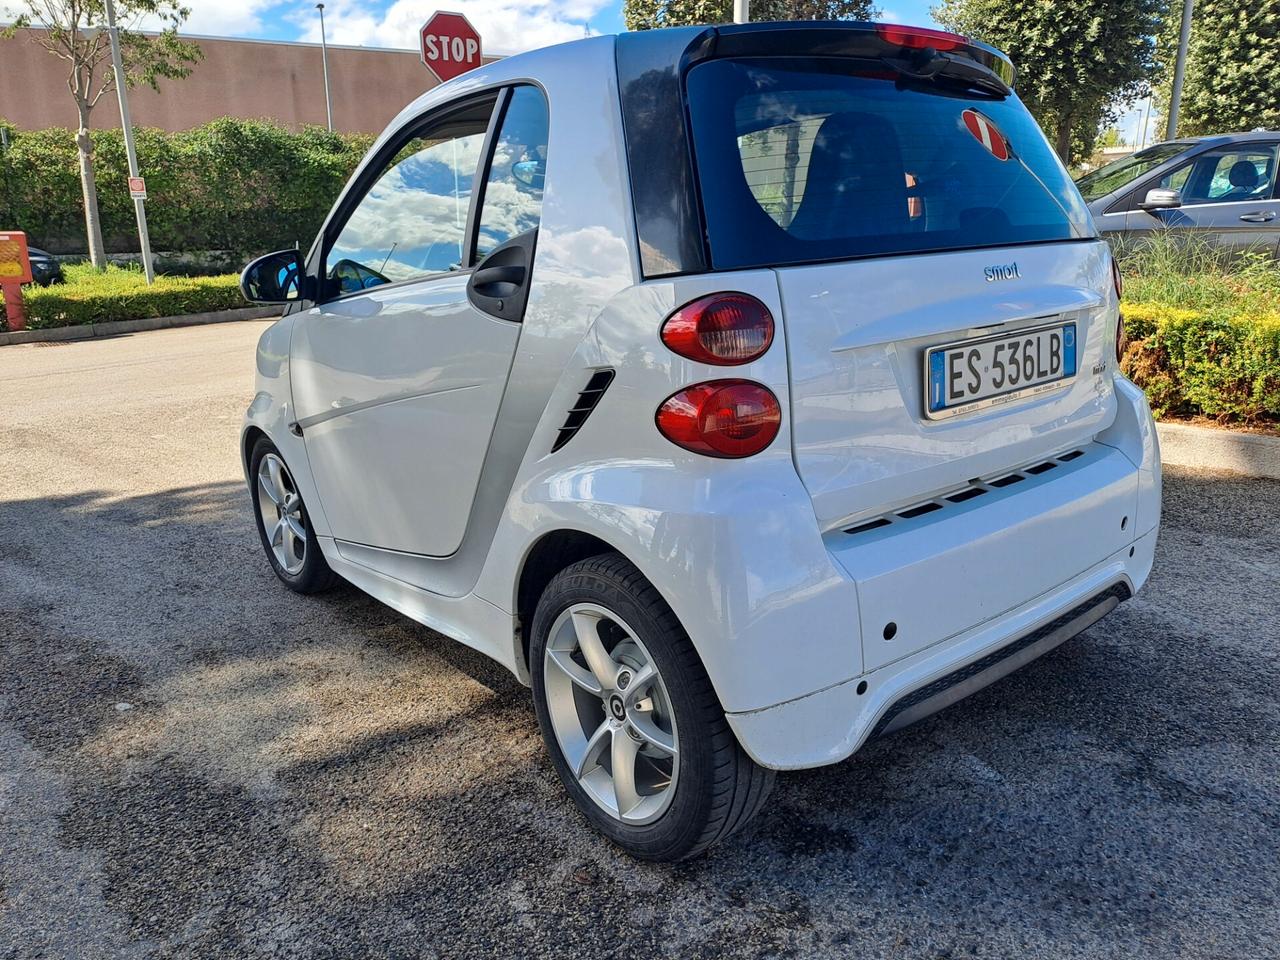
[[195, 762]]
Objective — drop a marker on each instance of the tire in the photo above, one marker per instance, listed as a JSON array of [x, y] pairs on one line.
[[712, 787], [297, 561]]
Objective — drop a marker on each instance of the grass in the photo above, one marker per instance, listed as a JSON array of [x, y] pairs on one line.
[[1192, 273]]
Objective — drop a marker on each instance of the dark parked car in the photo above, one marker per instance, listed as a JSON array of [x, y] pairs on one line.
[[45, 268], [1222, 187]]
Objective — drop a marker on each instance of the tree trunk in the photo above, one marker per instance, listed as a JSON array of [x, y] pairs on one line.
[[93, 226], [1063, 146]]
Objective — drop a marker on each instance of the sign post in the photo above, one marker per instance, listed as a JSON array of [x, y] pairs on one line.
[[15, 270], [139, 202], [450, 45]]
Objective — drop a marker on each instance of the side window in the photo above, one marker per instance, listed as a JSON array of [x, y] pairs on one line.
[[413, 220], [512, 202], [1230, 175], [1177, 180]]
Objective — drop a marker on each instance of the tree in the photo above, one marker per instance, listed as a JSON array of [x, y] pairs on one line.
[[1079, 64], [650, 14], [1233, 67], [74, 31]]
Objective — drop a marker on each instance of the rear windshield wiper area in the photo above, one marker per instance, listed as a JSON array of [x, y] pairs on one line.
[[936, 66]]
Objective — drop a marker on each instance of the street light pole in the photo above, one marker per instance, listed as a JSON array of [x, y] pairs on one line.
[[741, 11], [139, 204], [1179, 71], [324, 59]]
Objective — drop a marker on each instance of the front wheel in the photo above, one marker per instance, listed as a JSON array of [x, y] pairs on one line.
[[283, 524], [632, 723]]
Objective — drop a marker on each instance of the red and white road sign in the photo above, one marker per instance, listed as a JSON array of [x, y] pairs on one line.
[[138, 188], [450, 45], [986, 133]]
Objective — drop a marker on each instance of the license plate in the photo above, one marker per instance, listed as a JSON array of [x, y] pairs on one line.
[[987, 371]]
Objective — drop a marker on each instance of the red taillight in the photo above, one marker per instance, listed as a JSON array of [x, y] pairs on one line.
[[1116, 278], [1119, 338], [722, 329], [917, 38], [721, 418]]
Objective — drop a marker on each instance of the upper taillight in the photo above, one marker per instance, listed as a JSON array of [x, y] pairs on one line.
[[721, 418], [721, 329], [917, 38], [1116, 279]]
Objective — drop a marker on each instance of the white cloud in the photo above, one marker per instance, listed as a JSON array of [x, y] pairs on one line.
[[220, 18], [506, 26]]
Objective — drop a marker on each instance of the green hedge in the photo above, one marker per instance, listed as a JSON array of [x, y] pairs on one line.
[[244, 186], [1217, 363], [122, 294]]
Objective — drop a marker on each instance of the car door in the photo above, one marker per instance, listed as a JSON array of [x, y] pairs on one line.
[[1228, 196], [399, 371]]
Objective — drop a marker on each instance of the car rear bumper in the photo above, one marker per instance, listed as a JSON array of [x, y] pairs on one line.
[[957, 597], [830, 725]]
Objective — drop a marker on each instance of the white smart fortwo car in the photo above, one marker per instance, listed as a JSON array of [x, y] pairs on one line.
[[749, 391]]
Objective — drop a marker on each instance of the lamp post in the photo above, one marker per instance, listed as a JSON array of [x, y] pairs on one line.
[[139, 204], [324, 59], [1179, 71], [741, 11]]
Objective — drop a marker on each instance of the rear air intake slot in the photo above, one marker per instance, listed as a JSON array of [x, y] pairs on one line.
[[587, 401], [968, 494], [1007, 481], [976, 488], [875, 524], [919, 511]]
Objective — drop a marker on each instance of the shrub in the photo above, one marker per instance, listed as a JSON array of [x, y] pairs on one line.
[[118, 293], [242, 186], [1216, 363]]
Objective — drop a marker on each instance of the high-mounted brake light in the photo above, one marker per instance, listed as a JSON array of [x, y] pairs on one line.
[[721, 329], [721, 418], [917, 38]]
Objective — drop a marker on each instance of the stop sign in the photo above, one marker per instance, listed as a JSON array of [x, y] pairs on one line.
[[450, 45]]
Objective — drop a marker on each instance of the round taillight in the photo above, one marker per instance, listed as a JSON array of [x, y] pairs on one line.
[[722, 329], [721, 418]]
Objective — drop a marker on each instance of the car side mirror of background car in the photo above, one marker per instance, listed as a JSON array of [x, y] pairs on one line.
[[1161, 199], [278, 277]]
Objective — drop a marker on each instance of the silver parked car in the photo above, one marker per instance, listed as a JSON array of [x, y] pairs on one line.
[[1219, 187]]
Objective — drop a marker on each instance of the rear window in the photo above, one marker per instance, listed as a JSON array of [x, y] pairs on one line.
[[802, 161]]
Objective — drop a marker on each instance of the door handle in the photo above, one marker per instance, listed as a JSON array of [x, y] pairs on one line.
[[1257, 217], [502, 273]]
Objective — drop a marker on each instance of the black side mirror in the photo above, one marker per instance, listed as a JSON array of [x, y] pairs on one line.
[[276, 278]]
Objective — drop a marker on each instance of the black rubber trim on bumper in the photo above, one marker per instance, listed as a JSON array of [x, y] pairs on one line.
[[993, 661]]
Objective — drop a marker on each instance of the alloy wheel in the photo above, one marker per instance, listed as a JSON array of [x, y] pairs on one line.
[[611, 714], [283, 517]]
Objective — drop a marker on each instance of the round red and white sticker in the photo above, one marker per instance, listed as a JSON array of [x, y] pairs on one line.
[[986, 133]]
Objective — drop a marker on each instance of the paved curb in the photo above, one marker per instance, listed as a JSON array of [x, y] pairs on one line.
[[1206, 448], [114, 328]]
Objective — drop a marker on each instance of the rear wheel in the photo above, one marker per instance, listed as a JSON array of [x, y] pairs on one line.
[[634, 728], [283, 524]]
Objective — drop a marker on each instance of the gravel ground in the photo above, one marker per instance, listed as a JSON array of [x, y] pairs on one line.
[[195, 762]]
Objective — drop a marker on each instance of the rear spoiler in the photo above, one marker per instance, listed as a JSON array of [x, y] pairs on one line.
[[651, 68]]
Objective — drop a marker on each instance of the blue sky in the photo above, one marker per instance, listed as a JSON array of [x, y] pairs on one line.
[[507, 26]]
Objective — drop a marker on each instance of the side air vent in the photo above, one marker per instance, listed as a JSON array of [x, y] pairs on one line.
[[587, 401], [975, 488]]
